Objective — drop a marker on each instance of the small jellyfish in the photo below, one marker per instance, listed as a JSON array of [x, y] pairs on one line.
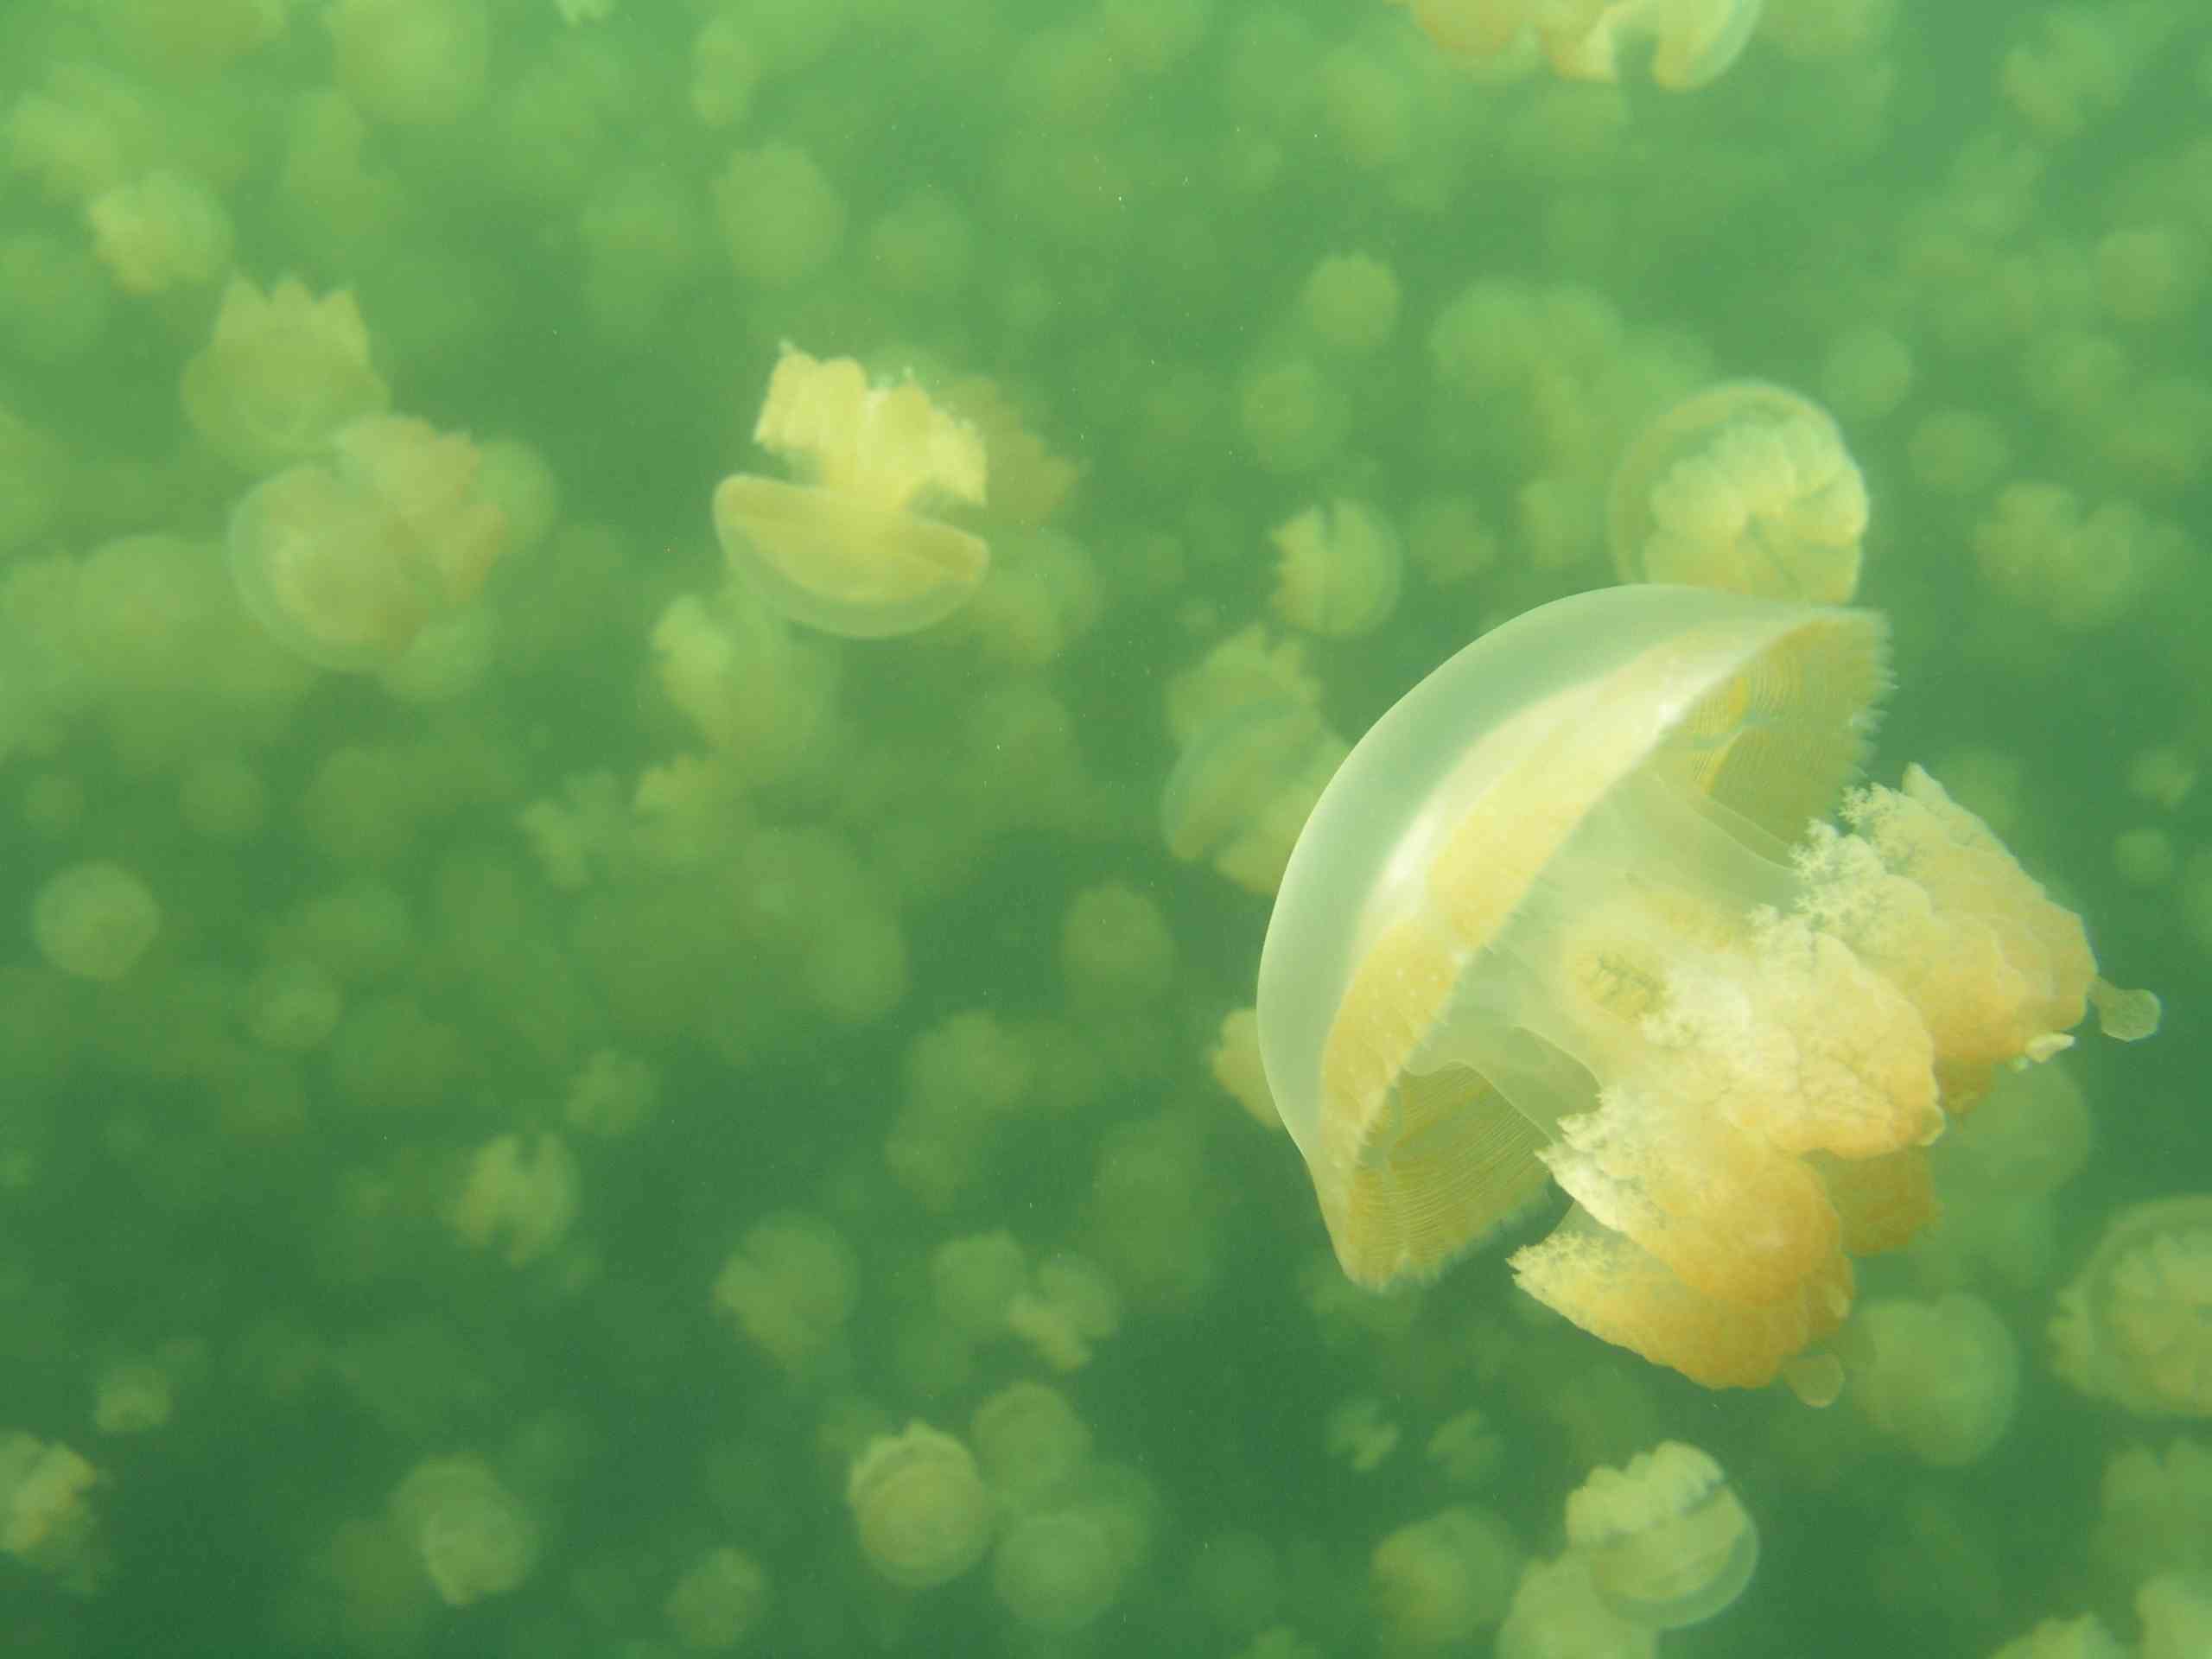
[[920, 1509], [473, 1537], [2135, 1326], [346, 563], [94, 920], [1940, 1377], [1691, 43], [281, 374], [1057, 1571], [1546, 921], [720, 1598], [1665, 1539], [851, 548], [1436, 1582], [1339, 571], [1240, 791], [1747, 487]]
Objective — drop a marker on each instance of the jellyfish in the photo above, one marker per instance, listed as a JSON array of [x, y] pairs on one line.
[[919, 1507], [1436, 1582], [1339, 569], [347, 562], [1665, 1540], [1691, 42], [2135, 1326], [1568, 912], [1940, 1377], [851, 549], [1744, 487], [94, 920]]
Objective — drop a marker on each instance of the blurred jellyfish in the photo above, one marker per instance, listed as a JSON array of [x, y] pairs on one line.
[[2135, 1326], [1338, 573], [920, 1510], [1940, 1378], [1434, 1584], [1665, 1539], [1057, 1571], [46, 1514], [1557, 1613], [281, 374], [472, 1535], [1690, 42], [94, 920], [1240, 791], [347, 562], [851, 548], [719, 1599], [1460, 996], [1745, 486], [791, 1287]]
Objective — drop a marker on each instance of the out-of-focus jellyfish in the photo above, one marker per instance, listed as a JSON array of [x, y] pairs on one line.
[[1240, 793], [1557, 1613], [1057, 1570], [2085, 1637], [281, 374], [1434, 1584], [851, 548], [920, 1509], [520, 1198], [2176, 1609], [1665, 1538], [347, 562], [94, 920], [1745, 486], [791, 1287], [1547, 920], [1690, 42], [473, 1537], [1940, 1377], [46, 1513], [720, 1597], [2135, 1326], [1339, 572]]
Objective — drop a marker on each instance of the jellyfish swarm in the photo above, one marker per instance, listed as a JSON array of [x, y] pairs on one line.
[[346, 562], [1567, 914], [849, 549]]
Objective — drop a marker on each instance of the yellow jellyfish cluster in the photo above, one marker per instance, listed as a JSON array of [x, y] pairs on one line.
[[1571, 912]]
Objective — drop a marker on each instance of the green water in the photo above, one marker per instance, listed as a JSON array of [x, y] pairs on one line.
[[773, 965]]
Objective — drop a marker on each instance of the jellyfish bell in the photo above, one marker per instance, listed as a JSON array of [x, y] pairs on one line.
[[1744, 487], [851, 548]]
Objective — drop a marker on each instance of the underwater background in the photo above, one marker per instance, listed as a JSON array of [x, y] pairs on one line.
[[520, 1120]]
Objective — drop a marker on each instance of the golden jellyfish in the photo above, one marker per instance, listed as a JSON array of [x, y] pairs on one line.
[[347, 562], [851, 548], [2135, 1326], [1567, 914], [1666, 1540], [920, 1509], [1744, 487], [1436, 1582]]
